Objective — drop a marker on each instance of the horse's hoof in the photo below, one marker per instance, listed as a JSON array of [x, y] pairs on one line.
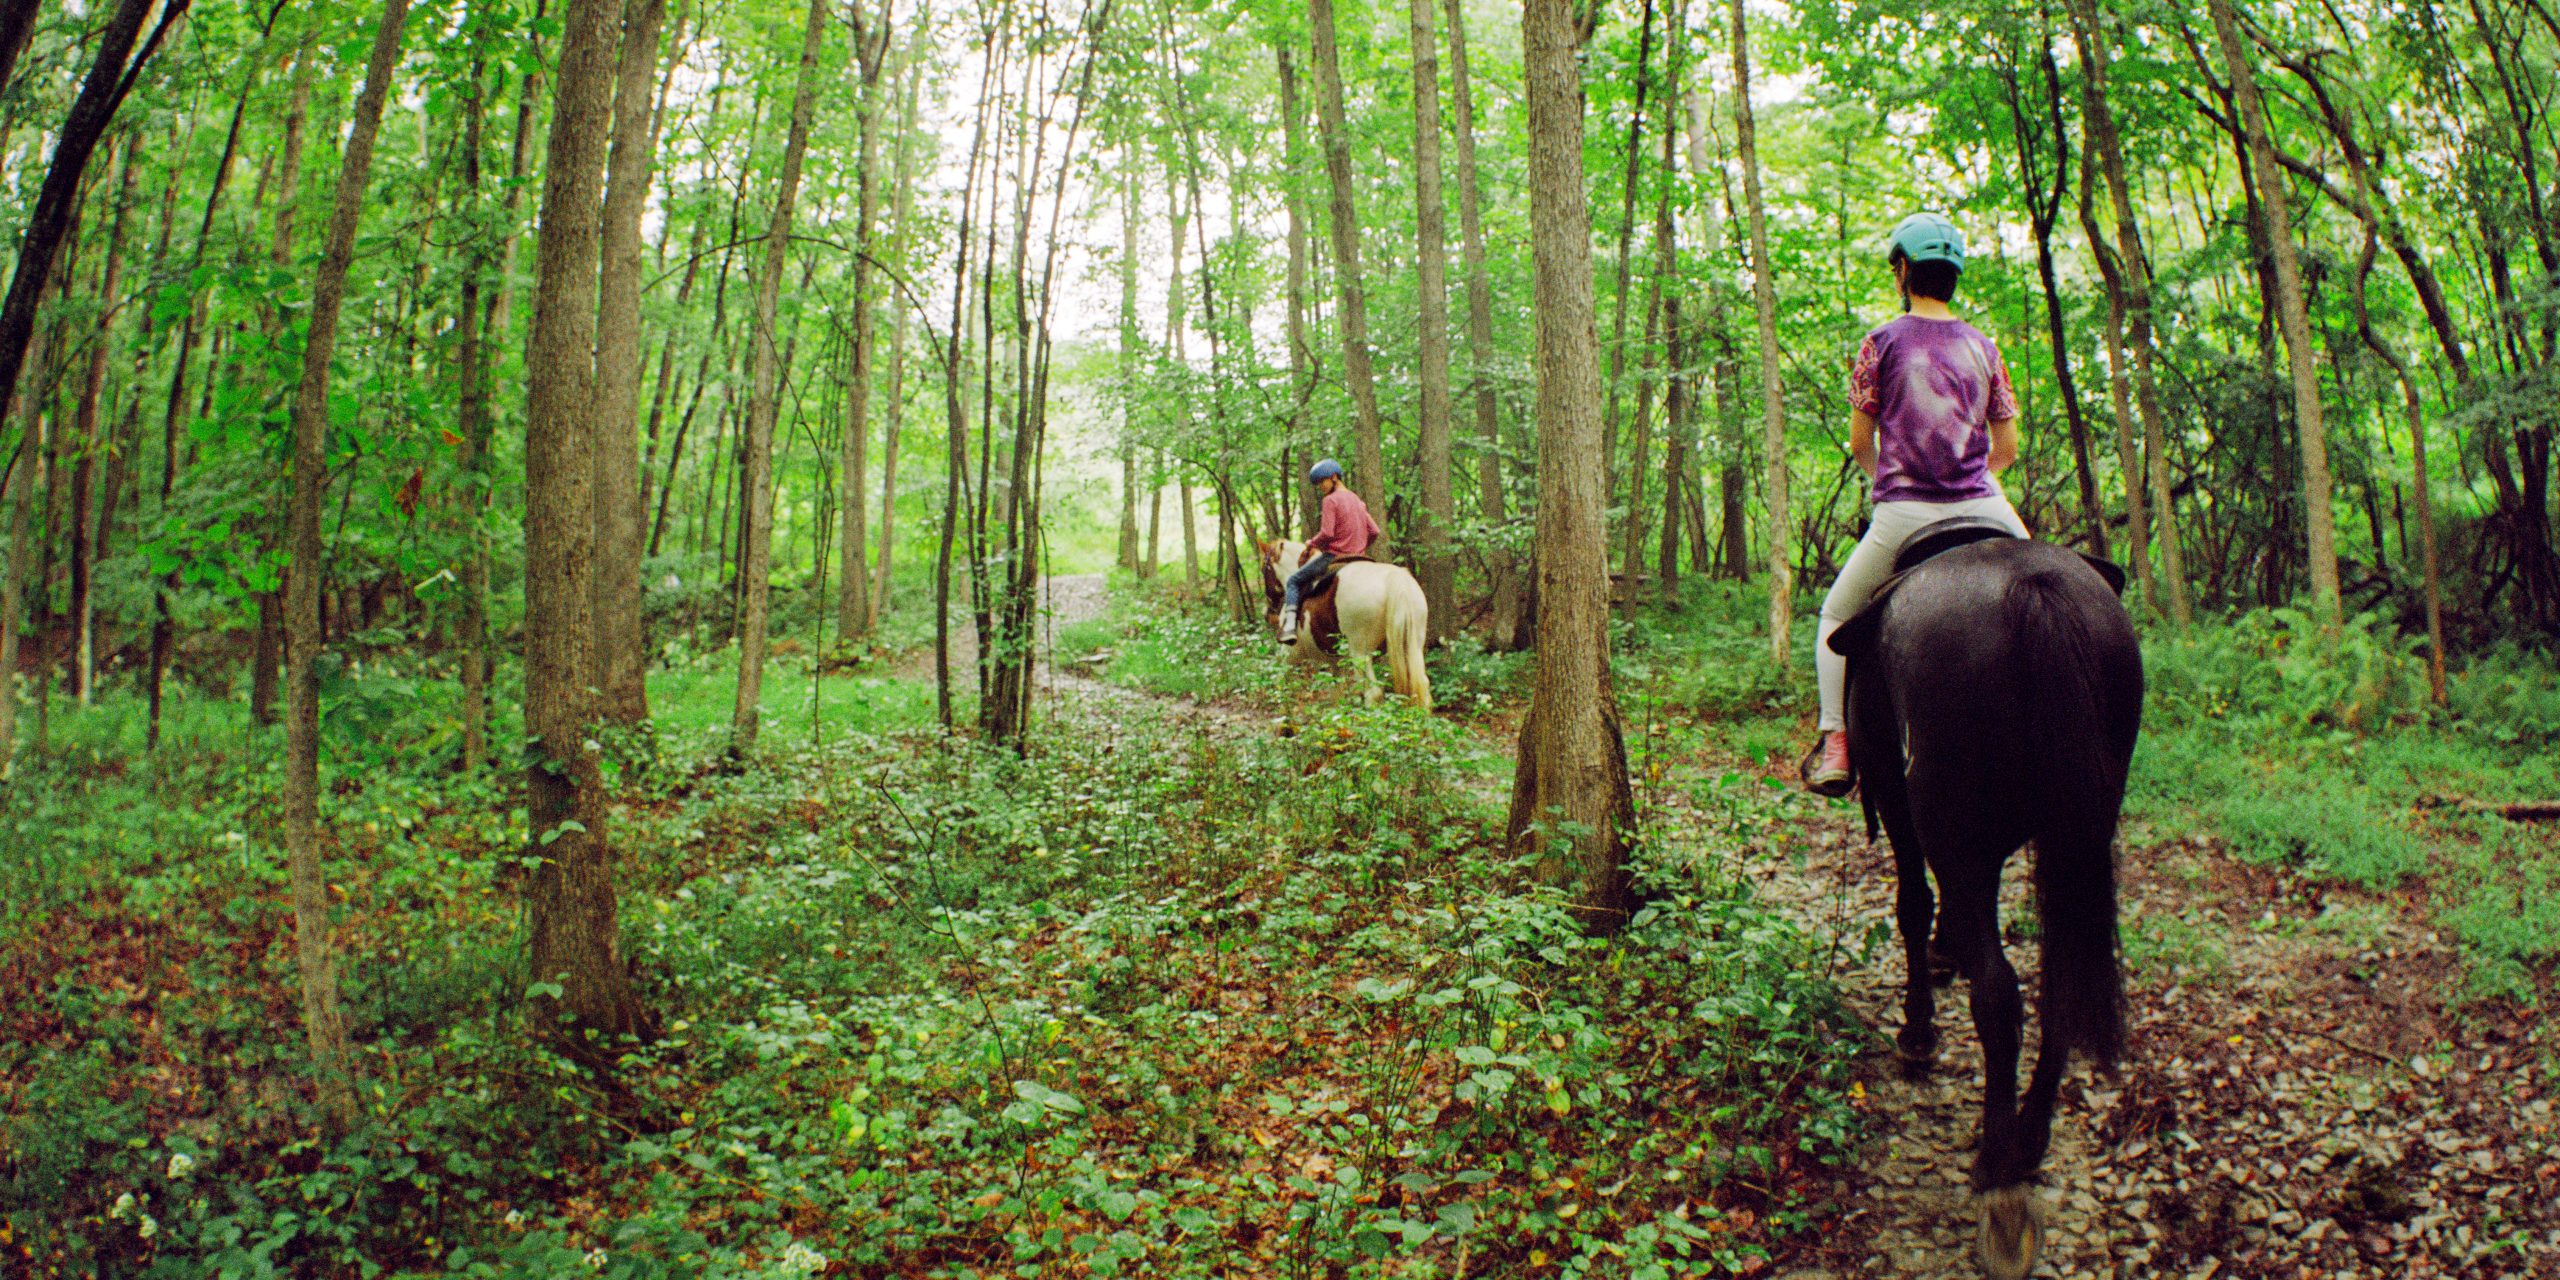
[[1917, 1056], [2011, 1234]]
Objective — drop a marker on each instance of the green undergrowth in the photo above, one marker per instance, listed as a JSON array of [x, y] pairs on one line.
[[2319, 748], [1145, 1000]]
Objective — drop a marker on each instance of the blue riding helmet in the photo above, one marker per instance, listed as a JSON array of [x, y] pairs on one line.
[[1929, 237], [1325, 470]]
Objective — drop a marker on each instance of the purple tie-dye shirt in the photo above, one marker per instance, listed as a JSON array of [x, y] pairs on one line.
[[1933, 387]]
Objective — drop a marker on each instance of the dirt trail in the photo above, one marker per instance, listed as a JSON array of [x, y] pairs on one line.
[[2301, 1101]]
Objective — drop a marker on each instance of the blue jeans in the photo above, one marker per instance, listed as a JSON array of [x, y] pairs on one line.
[[1307, 576]]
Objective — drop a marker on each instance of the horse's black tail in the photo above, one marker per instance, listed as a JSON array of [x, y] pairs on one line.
[[2076, 749]]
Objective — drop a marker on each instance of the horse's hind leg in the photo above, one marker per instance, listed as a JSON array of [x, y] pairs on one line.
[[2010, 1234], [1368, 674], [1975, 932], [1917, 1043]]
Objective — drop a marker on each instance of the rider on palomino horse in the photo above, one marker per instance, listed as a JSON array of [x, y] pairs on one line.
[[1346, 531], [1933, 420]]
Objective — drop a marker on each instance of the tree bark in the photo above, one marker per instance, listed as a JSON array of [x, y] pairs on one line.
[[1439, 573], [581, 990], [2318, 519], [756, 555], [1772, 391], [312, 947], [1370, 456], [619, 660], [1571, 805], [1502, 631]]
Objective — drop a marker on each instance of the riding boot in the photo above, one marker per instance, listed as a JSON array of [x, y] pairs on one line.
[[1289, 626]]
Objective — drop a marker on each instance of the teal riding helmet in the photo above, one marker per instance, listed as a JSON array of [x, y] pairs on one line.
[[1929, 237]]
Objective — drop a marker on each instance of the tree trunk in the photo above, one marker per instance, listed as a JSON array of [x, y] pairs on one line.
[[1732, 432], [1571, 805], [2137, 508], [853, 591], [1131, 211], [1439, 573], [1296, 457], [755, 558], [899, 220], [619, 661], [320, 1013], [93, 390], [2137, 279], [2318, 518], [580, 987], [2420, 483], [2043, 194], [1626, 260], [1371, 457], [1502, 630], [1782, 576], [21, 481]]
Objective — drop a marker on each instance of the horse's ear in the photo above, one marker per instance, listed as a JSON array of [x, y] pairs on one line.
[[2107, 569]]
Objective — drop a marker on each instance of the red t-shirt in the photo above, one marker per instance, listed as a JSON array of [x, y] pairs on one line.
[[1347, 529]]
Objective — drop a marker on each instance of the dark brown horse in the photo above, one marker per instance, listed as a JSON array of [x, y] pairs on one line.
[[1995, 691]]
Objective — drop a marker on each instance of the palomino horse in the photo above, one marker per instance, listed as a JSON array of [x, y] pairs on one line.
[[1995, 691], [1375, 606]]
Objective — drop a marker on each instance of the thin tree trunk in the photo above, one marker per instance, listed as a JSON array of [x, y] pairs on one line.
[[1131, 212], [1772, 390], [1625, 260], [93, 390], [1300, 449], [1571, 806], [618, 663], [2420, 483], [899, 222], [472, 417], [1503, 628], [2043, 193], [1715, 327], [580, 986], [853, 595], [2137, 508], [1439, 572], [1370, 457], [2137, 278], [312, 948], [756, 556], [2318, 519], [21, 480]]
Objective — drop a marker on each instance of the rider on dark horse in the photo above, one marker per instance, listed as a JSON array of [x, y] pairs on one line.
[[1933, 421], [1346, 531]]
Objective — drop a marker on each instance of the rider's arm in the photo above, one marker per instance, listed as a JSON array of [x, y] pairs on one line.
[[1862, 440], [2004, 444]]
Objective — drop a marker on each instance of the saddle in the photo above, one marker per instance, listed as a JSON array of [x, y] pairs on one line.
[[1318, 620], [1932, 541]]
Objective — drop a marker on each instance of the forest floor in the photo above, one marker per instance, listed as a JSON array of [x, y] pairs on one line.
[[2307, 1094], [1225, 976]]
